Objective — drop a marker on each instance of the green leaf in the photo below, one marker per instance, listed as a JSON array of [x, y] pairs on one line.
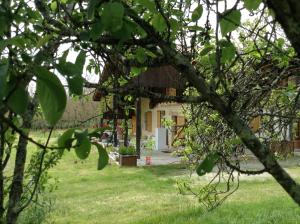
[[230, 20], [197, 13], [80, 135], [65, 140], [212, 59], [18, 41], [103, 157], [159, 23], [43, 40], [75, 85], [64, 56], [98, 132], [149, 4], [252, 4], [96, 30], [53, 5], [126, 31], [206, 50], [195, 28], [112, 16], [84, 35], [3, 44], [3, 79], [83, 149], [207, 164], [228, 52], [135, 71], [141, 56], [91, 8], [174, 26], [4, 22], [69, 69], [66, 68], [25, 57], [80, 61], [51, 95], [18, 100]]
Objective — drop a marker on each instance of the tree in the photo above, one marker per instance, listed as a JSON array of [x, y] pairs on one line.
[[201, 39], [27, 53]]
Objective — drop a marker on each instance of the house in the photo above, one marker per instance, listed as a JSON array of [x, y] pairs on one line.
[[295, 128], [150, 117], [290, 134]]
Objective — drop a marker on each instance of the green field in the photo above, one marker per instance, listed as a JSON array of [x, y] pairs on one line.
[[150, 195]]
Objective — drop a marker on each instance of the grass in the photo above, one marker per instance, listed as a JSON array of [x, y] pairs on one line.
[[148, 195]]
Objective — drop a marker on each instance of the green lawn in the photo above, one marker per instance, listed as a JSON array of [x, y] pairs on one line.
[[148, 195]]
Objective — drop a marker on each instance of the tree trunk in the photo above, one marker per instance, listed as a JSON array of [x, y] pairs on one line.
[[16, 188], [265, 156]]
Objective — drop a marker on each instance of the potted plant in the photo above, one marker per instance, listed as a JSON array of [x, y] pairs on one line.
[[128, 156], [148, 147]]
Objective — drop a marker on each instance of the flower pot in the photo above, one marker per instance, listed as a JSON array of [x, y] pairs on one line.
[[128, 160], [148, 160]]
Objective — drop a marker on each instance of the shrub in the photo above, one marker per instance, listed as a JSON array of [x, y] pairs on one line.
[[38, 213], [130, 150], [149, 144]]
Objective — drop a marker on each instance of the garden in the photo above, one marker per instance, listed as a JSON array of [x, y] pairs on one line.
[[76, 192]]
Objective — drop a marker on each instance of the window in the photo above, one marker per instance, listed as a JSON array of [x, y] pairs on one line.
[[171, 92], [255, 124]]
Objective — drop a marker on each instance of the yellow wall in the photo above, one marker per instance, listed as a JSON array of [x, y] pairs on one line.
[[171, 109]]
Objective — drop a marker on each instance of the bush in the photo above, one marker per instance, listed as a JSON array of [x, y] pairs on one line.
[[38, 213], [130, 150], [149, 144], [41, 205]]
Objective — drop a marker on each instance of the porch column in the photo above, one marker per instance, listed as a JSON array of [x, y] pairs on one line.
[[126, 131], [138, 127], [115, 121], [101, 123]]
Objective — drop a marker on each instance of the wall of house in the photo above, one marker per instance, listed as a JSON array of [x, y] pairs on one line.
[[171, 109]]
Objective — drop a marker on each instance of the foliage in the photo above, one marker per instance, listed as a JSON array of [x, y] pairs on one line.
[[51, 95], [149, 144], [42, 204], [207, 164], [103, 157], [83, 144], [38, 213], [127, 150]]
